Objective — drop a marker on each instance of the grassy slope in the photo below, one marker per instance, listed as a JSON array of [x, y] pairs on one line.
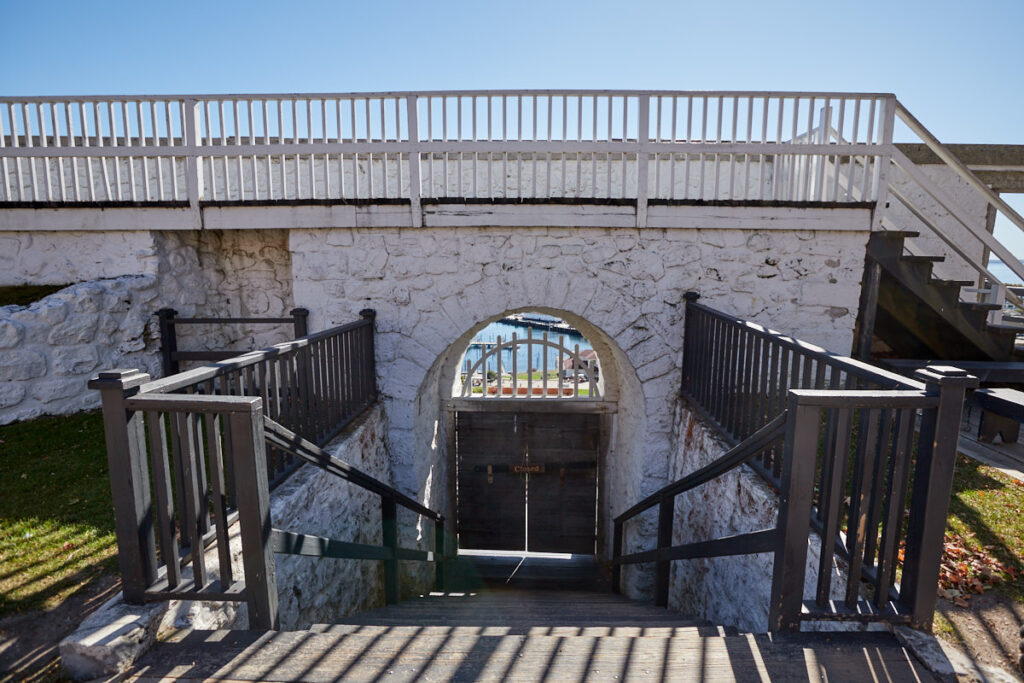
[[56, 519]]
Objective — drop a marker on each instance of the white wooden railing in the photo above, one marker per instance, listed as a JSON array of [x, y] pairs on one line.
[[488, 377], [538, 145], [642, 146]]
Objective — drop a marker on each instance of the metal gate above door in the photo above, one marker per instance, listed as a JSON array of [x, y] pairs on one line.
[[527, 480]]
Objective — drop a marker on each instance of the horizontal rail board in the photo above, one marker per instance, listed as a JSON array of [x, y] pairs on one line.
[[741, 544], [187, 590], [289, 543], [227, 321], [847, 399], [193, 403]]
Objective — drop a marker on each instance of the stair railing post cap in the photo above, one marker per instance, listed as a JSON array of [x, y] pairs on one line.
[[123, 378], [691, 295], [946, 374]]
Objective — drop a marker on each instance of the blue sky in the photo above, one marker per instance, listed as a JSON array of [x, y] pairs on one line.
[[958, 65]]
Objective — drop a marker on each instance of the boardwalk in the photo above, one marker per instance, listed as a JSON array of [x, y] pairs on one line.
[[526, 634]]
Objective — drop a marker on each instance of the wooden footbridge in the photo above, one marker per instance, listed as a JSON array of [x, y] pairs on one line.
[[498, 631]]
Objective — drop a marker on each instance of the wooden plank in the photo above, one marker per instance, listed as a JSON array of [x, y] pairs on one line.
[[491, 506]]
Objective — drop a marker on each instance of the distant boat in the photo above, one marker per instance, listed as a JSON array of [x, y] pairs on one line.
[[540, 321]]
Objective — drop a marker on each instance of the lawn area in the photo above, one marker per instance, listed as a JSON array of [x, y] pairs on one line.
[[56, 518], [985, 533]]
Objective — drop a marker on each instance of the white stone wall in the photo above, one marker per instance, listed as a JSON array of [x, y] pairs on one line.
[[433, 287], [733, 591], [321, 590], [49, 349], [67, 257]]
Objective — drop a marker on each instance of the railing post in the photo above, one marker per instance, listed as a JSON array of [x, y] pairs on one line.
[[252, 498], [439, 554], [616, 554], [129, 481], [369, 360], [300, 319], [412, 116], [795, 491], [642, 157], [933, 485], [884, 161], [168, 341], [689, 337], [662, 567], [193, 164], [389, 539]]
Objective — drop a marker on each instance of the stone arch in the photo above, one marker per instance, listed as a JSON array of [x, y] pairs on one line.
[[623, 454]]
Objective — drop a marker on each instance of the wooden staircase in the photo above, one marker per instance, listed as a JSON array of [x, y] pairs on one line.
[[921, 316], [502, 633]]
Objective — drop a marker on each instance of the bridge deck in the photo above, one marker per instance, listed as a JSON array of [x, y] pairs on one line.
[[516, 634]]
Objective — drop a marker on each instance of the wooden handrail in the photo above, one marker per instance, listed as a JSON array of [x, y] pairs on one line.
[[732, 459], [290, 442]]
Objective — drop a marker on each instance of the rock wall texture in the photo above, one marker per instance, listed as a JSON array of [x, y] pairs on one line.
[[313, 590], [433, 287], [49, 349], [67, 257], [733, 591]]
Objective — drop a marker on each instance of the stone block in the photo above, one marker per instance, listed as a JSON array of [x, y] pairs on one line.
[[79, 329], [11, 394], [111, 639], [20, 365], [75, 360], [11, 333], [55, 389]]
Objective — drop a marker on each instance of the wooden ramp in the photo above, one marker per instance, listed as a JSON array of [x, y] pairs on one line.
[[526, 635]]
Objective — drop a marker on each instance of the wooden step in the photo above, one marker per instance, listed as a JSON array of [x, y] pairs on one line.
[[939, 282], [670, 629], [914, 258], [981, 306], [315, 657]]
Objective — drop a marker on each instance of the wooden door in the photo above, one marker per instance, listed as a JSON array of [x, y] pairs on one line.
[[527, 481], [491, 495], [562, 487]]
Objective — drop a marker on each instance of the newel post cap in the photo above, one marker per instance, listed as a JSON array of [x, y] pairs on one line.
[[119, 378]]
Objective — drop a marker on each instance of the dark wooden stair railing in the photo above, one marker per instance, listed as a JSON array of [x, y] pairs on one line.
[[861, 448], [193, 453]]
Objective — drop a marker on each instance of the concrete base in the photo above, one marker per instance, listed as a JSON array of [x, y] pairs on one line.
[[110, 640]]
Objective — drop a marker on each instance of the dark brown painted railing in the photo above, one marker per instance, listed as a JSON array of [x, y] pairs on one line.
[[171, 356], [192, 453], [314, 386], [854, 435]]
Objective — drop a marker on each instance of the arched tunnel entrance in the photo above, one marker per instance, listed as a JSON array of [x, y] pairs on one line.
[[531, 425]]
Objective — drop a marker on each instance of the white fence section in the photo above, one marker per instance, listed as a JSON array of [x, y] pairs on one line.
[[523, 145], [488, 377], [634, 147]]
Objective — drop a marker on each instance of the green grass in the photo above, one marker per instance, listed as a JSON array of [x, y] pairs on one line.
[[986, 516], [56, 518], [23, 295], [539, 376]]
